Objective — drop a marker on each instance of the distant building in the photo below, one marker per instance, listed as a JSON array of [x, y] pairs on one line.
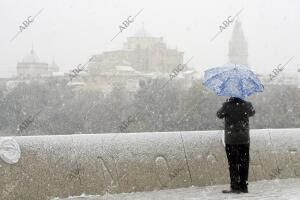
[[142, 52], [32, 67], [142, 57], [238, 46]]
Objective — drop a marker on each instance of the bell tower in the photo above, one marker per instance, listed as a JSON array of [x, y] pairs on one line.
[[238, 46]]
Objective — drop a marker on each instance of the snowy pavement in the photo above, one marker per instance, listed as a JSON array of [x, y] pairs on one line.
[[285, 189]]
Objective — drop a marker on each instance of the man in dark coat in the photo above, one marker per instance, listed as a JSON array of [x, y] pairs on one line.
[[236, 113]]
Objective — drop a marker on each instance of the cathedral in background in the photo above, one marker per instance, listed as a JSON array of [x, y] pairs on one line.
[[140, 52], [142, 57]]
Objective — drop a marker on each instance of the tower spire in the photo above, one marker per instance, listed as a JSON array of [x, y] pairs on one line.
[[238, 46]]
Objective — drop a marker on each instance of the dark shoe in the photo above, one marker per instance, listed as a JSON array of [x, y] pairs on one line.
[[231, 191], [244, 190]]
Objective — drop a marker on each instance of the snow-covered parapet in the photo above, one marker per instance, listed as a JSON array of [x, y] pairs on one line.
[[62, 166]]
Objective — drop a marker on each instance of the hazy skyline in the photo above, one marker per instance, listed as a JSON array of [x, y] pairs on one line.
[[71, 31]]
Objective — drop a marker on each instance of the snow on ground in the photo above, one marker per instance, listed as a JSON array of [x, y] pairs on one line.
[[285, 189]]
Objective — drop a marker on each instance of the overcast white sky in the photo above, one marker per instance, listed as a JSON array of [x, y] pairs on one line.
[[72, 30]]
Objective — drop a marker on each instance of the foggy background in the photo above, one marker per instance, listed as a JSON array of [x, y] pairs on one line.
[[70, 31]]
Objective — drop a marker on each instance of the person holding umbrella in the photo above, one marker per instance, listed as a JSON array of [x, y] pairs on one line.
[[236, 82]]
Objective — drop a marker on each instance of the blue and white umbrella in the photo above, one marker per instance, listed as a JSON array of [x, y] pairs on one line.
[[232, 80]]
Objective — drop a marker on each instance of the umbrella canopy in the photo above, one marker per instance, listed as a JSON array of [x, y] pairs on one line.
[[232, 80]]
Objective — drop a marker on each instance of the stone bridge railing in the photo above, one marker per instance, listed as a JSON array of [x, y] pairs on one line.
[[69, 165]]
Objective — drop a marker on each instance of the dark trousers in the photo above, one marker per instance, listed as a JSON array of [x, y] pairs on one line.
[[238, 160]]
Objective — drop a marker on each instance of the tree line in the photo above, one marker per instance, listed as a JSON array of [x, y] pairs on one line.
[[63, 110]]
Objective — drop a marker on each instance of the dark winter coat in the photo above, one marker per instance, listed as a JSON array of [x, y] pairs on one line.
[[236, 112]]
